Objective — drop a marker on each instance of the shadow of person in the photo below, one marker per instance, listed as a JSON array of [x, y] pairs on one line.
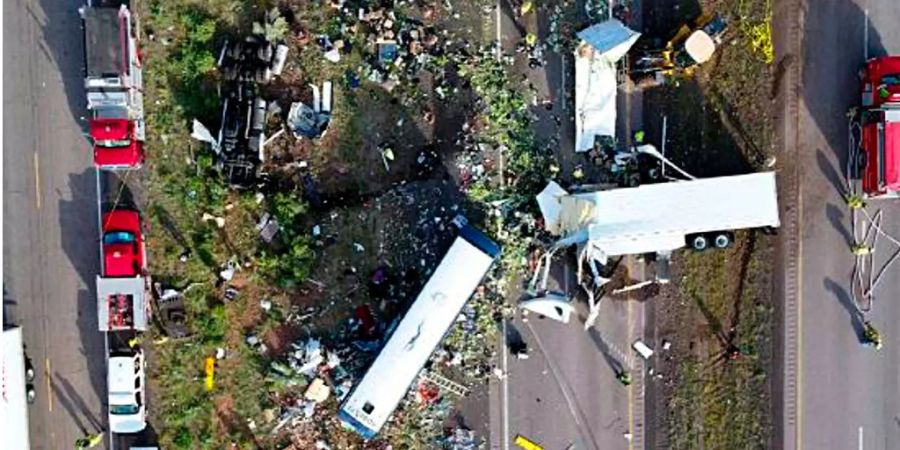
[[856, 316]]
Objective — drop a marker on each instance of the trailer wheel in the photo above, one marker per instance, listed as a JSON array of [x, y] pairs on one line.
[[699, 243], [722, 240]]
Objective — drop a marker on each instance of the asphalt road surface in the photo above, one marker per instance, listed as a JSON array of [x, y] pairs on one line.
[[565, 394], [848, 396], [49, 219]]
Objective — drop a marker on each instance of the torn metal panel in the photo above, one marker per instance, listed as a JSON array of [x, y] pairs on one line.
[[312, 121], [553, 306], [549, 204], [596, 85]]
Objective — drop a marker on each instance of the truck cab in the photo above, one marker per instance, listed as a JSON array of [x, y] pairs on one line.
[[114, 86], [127, 413], [123, 244], [878, 155], [115, 143]]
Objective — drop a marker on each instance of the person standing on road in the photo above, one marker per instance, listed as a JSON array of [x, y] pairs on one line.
[[89, 441]]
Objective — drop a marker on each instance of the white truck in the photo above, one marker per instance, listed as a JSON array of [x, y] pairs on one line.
[[16, 391], [122, 312], [127, 411]]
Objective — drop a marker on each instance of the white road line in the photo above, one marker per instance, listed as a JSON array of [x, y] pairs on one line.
[[37, 181], [562, 84], [860, 438], [557, 376], [504, 383], [499, 45], [500, 151], [866, 37]]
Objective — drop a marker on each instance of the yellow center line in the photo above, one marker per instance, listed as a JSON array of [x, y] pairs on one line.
[[37, 181], [49, 390]]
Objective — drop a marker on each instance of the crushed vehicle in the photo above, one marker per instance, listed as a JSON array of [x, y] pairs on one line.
[[654, 219], [245, 65], [114, 85], [241, 137], [875, 130], [373, 400]]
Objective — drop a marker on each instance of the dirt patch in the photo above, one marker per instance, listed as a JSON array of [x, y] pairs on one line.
[[711, 388]]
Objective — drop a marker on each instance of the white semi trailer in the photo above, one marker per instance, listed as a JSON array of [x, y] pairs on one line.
[[652, 218], [661, 217], [16, 391]]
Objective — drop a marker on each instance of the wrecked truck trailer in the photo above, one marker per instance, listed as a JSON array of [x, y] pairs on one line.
[[374, 399], [597, 58], [660, 218]]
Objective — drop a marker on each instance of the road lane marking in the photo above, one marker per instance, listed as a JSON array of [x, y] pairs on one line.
[[630, 389], [504, 382], [799, 374], [860, 438], [499, 34], [562, 84], [49, 390], [37, 181], [866, 37], [583, 430]]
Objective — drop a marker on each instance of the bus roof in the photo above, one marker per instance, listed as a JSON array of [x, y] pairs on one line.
[[435, 310]]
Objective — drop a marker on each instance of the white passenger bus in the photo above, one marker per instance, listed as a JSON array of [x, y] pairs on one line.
[[435, 310]]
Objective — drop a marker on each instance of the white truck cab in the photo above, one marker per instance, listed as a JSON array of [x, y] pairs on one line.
[[126, 392]]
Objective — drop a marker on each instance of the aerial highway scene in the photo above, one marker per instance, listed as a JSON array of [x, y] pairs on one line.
[[451, 224]]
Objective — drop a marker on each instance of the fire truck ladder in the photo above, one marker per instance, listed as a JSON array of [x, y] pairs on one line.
[[445, 383], [865, 227]]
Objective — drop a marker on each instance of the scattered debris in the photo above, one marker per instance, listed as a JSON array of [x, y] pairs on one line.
[[312, 122], [317, 391]]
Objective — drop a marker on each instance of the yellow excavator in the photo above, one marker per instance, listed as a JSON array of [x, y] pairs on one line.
[[692, 45]]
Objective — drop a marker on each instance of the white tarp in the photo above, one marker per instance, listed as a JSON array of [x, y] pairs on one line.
[[549, 203], [601, 46]]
